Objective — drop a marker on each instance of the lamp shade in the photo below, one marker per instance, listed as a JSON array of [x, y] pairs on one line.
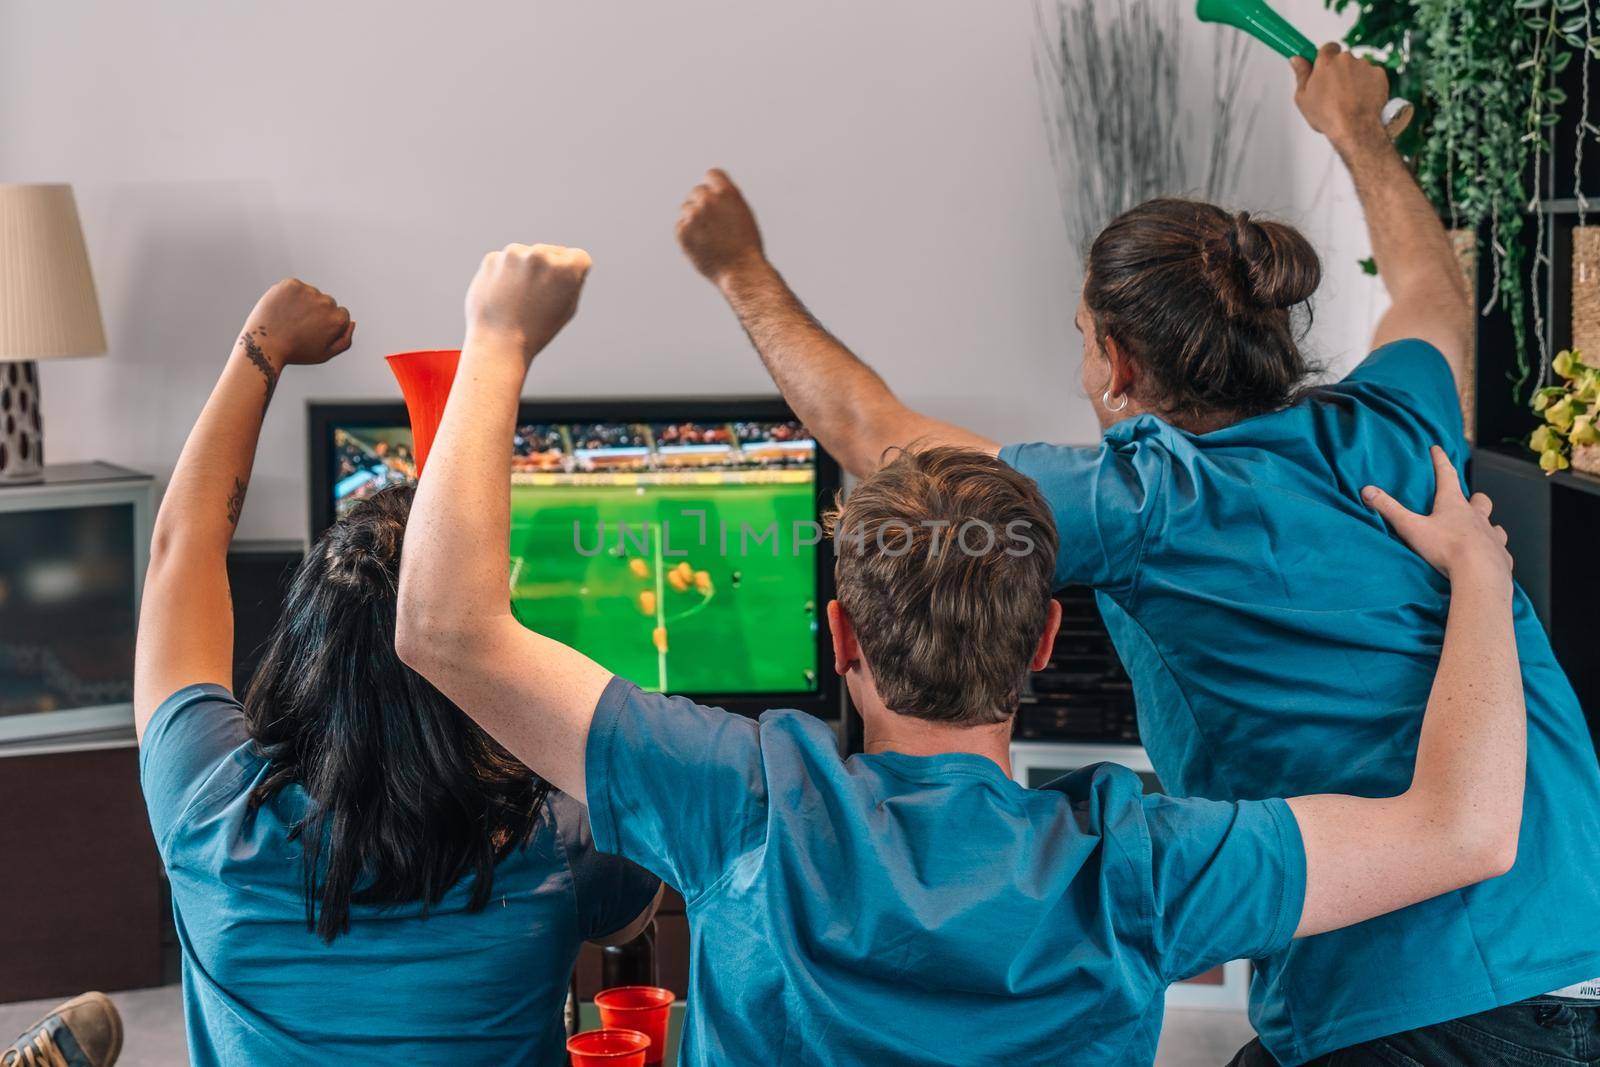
[[48, 307]]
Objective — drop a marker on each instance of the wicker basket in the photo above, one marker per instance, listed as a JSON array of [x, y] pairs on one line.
[[1586, 320], [1586, 290], [1586, 458]]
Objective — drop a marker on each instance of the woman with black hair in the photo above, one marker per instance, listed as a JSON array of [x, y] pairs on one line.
[[359, 873], [1280, 639]]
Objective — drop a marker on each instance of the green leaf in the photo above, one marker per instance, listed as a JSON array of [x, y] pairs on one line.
[[1556, 95], [1368, 266], [1560, 60], [1573, 25]]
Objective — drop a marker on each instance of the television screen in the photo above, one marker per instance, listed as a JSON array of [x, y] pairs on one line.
[[68, 584], [678, 547]]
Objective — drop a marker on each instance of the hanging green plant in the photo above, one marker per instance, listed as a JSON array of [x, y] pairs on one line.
[[1560, 29], [1483, 76], [1474, 164]]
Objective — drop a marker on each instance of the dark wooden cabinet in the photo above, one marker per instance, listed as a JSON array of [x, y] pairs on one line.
[[1553, 522], [81, 901]]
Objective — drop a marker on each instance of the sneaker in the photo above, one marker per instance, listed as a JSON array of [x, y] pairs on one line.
[[86, 1031]]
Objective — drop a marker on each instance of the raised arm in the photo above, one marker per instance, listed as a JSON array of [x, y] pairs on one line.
[[1457, 824], [186, 615], [841, 400], [1342, 98], [535, 695]]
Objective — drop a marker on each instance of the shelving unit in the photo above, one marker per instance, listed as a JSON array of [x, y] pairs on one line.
[[1553, 520]]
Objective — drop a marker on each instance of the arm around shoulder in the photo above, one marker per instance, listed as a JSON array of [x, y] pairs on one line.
[[1459, 821]]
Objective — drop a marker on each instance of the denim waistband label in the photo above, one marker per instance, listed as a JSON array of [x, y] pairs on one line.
[[1589, 990]]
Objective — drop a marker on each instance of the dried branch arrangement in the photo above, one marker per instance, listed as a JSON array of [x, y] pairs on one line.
[[1117, 122]]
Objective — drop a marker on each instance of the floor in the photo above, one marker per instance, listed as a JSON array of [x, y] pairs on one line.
[[153, 1031]]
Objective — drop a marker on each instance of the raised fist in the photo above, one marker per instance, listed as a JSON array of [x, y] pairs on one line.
[[526, 293], [717, 228], [1342, 96], [297, 323]]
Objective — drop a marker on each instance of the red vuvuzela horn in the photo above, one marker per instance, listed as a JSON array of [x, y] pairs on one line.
[[424, 379]]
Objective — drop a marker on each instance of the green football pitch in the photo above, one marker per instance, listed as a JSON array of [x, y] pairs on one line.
[[654, 604]]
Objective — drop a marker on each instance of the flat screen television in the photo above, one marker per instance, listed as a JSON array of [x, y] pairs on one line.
[[677, 542], [73, 551]]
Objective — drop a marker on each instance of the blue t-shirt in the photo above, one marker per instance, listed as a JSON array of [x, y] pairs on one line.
[[892, 909], [1282, 641], [454, 987]]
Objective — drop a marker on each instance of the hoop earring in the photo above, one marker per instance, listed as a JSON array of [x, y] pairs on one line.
[[1105, 399]]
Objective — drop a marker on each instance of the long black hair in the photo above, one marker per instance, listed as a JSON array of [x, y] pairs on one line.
[[407, 794]]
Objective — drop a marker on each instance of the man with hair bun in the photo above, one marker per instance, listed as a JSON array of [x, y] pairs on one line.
[[1280, 637], [912, 904]]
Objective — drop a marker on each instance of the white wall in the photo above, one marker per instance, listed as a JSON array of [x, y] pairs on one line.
[[894, 150]]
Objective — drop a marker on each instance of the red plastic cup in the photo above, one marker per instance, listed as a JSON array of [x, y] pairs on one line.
[[424, 379], [608, 1048], [638, 1007]]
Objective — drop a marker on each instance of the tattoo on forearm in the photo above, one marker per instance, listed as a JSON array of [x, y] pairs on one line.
[[236, 500], [252, 351]]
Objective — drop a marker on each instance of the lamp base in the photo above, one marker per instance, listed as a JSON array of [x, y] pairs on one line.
[[21, 425]]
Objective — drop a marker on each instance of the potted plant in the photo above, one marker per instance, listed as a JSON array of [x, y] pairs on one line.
[[1569, 436]]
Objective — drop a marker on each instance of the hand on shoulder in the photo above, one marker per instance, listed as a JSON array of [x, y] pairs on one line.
[[1456, 537]]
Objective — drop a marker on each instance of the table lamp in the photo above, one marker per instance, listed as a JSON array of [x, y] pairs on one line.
[[48, 310]]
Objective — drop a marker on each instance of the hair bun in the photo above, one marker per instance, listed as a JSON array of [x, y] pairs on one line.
[[1277, 267], [363, 553]]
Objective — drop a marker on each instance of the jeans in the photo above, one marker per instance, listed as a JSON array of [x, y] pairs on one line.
[[1538, 1032]]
